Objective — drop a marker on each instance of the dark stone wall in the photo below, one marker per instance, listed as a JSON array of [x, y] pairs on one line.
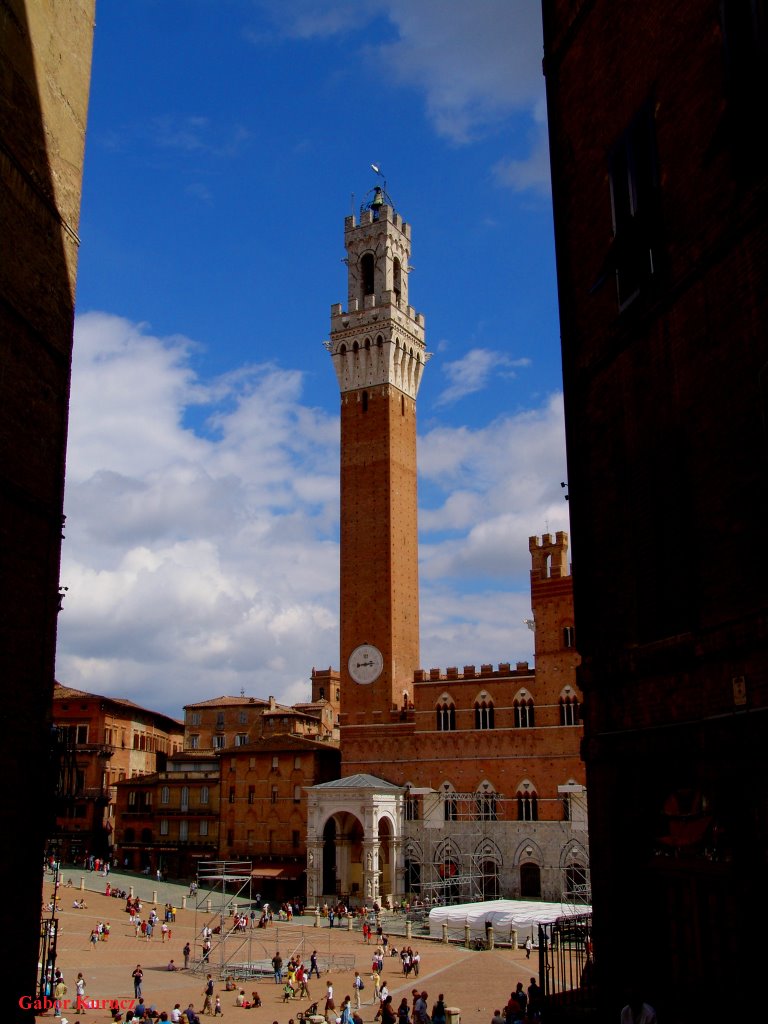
[[45, 54], [665, 395]]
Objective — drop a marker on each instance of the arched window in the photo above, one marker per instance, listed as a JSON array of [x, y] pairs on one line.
[[165, 795], [365, 401], [397, 279], [489, 874], [146, 835], [450, 803], [530, 881], [484, 713], [129, 835], [569, 636], [569, 711], [445, 716], [412, 875], [366, 273], [185, 798], [410, 804], [524, 713], [485, 801], [527, 803]]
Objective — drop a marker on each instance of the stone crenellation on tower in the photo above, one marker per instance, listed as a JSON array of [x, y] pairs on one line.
[[379, 339]]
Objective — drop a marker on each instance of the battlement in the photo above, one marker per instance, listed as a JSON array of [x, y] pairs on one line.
[[387, 215], [549, 559], [504, 671], [355, 317]]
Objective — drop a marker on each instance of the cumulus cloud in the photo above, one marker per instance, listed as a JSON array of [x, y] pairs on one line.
[[473, 371], [203, 559], [474, 64], [490, 489], [532, 170], [201, 549]]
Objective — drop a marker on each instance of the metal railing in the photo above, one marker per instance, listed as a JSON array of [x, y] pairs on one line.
[[567, 968]]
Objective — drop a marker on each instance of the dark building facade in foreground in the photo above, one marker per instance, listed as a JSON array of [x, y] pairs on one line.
[[45, 61], [656, 121]]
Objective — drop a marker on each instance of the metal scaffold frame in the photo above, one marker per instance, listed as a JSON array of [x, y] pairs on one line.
[[577, 894], [215, 905], [454, 851], [244, 954]]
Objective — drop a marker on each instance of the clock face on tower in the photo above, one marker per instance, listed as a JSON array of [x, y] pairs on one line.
[[365, 663]]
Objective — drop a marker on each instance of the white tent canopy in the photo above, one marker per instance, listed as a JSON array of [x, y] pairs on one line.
[[506, 916]]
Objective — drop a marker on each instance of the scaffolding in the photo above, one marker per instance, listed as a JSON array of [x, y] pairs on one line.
[[223, 892], [223, 889], [451, 855], [576, 877], [455, 849]]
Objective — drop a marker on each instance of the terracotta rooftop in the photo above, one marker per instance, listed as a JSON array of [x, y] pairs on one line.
[[61, 692], [223, 702]]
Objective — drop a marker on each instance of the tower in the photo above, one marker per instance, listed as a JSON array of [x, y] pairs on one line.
[[377, 347]]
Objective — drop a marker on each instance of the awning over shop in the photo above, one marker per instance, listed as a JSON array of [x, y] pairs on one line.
[[287, 871]]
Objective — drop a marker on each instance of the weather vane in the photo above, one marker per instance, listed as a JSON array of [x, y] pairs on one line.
[[380, 197]]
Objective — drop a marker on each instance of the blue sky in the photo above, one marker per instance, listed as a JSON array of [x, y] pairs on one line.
[[226, 143]]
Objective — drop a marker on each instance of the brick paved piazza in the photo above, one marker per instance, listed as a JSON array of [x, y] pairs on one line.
[[476, 982]]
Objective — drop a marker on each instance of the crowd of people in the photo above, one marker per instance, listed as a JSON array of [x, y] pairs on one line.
[[522, 1005], [294, 976]]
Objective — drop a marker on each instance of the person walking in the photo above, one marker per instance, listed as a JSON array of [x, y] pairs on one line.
[[208, 994], [313, 964], [277, 967], [420, 1015], [301, 978], [138, 977], [346, 1011], [80, 990], [59, 994], [528, 948], [357, 985], [330, 1005], [438, 1010], [186, 951], [534, 1000]]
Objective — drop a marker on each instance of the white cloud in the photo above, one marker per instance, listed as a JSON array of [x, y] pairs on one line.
[[475, 64], [531, 171], [196, 559], [473, 371], [204, 558], [490, 489]]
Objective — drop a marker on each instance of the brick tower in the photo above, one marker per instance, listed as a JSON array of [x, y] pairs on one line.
[[377, 346]]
